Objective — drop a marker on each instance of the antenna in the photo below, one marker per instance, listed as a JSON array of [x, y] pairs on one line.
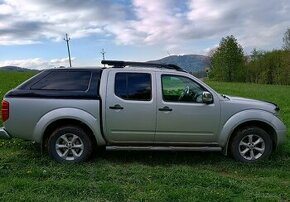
[[67, 39], [103, 54]]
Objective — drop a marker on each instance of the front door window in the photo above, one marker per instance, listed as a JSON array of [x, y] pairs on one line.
[[181, 89]]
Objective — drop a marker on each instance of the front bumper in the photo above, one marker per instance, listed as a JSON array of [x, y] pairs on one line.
[[281, 137], [281, 131], [4, 134]]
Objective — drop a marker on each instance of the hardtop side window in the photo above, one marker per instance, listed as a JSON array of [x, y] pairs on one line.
[[64, 81], [133, 86], [181, 89]]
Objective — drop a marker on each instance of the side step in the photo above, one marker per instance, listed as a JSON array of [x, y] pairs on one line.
[[161, 148]]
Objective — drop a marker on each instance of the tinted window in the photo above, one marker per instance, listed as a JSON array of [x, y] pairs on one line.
[[133, 86], [66, 80], [181, 89]]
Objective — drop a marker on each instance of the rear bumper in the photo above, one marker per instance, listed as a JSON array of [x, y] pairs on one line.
[[4, 134]]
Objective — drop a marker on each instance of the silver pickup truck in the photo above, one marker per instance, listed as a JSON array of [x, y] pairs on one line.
[[133, 105]]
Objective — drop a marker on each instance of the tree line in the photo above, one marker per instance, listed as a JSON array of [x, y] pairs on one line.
[[229, 63]]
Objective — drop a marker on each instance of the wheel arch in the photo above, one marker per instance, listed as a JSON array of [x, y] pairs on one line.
[[260, 124], [258, 118], [63, 122], [68, 116]]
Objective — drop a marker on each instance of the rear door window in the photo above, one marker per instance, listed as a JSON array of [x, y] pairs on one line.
[[133, 86]]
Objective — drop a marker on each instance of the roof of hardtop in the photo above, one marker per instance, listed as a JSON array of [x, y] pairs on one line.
[[76, 69]]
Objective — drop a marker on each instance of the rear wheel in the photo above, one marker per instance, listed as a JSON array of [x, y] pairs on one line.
[[69, 144], [251, 144]]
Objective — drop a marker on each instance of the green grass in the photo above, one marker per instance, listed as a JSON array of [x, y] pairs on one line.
[[27, 175]]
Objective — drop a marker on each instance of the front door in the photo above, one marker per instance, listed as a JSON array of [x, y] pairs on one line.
[[130, 107], [182, 117]]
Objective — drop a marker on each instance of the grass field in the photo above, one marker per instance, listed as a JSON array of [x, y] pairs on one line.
[[27, 175]]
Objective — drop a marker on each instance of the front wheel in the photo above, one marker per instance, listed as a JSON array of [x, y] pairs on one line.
[[69, 144], [251, 144]]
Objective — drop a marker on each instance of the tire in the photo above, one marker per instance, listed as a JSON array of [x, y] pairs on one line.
[[251, 144], [70, 144]]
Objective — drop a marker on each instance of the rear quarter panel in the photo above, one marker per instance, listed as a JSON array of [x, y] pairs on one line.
[[29, 117]]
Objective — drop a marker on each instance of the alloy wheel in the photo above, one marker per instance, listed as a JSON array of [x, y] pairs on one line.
[[69, 146], [252, 147]]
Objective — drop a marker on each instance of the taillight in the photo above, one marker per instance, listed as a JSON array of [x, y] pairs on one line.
[[5, 110]]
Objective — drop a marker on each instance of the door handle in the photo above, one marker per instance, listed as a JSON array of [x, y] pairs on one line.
[[165, 109], [116, 107]]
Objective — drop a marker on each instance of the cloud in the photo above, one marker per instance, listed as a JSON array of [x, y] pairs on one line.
[[254, 23], [35, 20], [5, 9], [176, 23], [145, 22], [37, 63]]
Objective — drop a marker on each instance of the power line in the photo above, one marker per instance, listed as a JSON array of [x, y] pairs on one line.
[[67, 39]]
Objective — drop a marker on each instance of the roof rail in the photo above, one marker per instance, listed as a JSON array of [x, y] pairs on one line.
[[122, 64]]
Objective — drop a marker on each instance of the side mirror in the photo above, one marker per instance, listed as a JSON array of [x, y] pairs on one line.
[[207, 97]]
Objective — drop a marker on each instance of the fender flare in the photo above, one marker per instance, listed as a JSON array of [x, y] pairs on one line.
[[242, 117], [68, 113]]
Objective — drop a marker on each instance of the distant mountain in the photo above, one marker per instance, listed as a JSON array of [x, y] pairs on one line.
[[14, 69], [191, 63]]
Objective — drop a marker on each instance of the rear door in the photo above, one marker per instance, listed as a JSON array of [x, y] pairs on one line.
[[130, 107], [181, 115]]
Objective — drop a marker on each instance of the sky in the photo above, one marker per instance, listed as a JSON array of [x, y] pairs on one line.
[[32, 31]]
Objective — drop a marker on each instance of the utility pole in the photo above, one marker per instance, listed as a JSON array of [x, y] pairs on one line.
[[67, 39], [103, 54]]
